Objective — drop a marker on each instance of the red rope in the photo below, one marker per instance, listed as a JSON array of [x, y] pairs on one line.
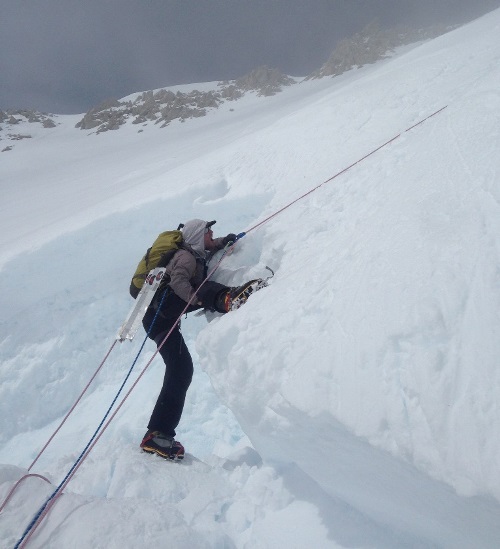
[[342, 171], [14, 488], [74, 406]]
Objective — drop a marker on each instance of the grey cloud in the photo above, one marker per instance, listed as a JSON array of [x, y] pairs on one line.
[[65, 56]]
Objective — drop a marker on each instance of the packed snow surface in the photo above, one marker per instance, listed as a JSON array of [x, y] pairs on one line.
[[352, 403]]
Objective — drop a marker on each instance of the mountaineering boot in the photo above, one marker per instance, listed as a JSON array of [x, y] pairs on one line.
[[234, 298], [157, 443]]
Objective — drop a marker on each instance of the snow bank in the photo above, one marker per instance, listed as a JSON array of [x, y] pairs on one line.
[[382, 324]]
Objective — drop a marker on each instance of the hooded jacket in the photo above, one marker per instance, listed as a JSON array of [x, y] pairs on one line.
[[187, 269]]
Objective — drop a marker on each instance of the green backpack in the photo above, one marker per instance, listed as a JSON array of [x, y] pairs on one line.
[[159, 255]]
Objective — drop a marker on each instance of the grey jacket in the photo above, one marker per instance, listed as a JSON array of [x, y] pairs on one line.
[[187, 269]]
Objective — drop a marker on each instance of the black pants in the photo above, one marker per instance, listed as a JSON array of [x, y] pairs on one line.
[[178, 362], [178, 374]]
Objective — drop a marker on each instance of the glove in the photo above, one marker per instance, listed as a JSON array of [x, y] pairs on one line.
[[230, 238]]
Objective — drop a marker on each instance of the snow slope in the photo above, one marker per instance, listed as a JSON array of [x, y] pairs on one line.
[[353, 402]]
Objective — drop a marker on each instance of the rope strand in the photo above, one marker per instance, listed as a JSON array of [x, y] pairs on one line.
[[310, 191], [14, 488], [74, 406]]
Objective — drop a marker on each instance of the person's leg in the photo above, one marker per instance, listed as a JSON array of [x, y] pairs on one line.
[[178, 374]]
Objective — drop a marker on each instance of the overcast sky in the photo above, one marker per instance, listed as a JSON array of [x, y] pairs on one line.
[[65, 56]]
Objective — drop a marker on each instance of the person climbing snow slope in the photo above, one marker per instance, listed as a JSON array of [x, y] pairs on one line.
[[184, 284]]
